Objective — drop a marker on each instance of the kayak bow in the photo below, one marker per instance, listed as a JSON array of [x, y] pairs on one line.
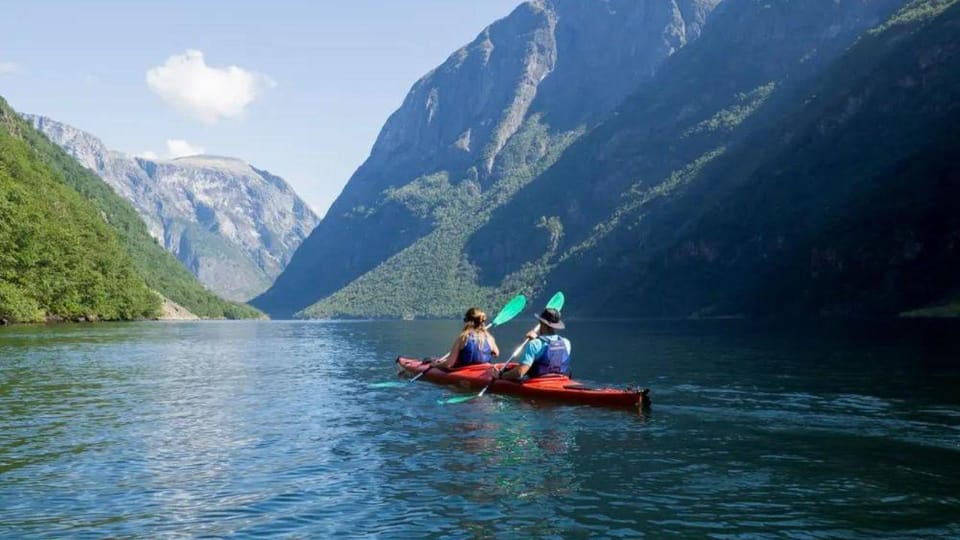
[[557, 388]]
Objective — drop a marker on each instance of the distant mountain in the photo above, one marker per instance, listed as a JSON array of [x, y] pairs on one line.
[[71, 248], [468, 136], [234, 226]]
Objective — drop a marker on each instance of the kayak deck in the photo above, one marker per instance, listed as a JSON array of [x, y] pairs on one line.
[[557, 388]]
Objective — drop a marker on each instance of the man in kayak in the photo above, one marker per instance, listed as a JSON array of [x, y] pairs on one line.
[[546, 353], [474, 345]]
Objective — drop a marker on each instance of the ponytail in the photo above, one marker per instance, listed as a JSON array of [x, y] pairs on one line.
[[475, 321]]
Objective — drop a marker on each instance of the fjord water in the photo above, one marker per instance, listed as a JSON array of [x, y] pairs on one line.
[[263, 428]]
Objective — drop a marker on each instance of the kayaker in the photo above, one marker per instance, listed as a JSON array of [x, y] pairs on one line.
[[474, 345], [546, 353]]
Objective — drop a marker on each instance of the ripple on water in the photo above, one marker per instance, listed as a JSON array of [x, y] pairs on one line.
[[263, 429]]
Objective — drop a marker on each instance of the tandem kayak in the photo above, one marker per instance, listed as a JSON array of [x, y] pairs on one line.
[[556, 388]]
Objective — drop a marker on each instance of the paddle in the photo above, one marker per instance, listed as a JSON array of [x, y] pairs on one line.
[[513, 308], [556, 302]]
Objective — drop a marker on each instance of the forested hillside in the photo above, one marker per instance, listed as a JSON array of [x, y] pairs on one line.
[[592, 210], [232, 225], [847, 205], [469, 136], [40, 161], [58, 257]]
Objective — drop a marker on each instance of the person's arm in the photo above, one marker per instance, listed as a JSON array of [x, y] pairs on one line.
[[494, 350], [515, 373], [530, 353], [454, 354]]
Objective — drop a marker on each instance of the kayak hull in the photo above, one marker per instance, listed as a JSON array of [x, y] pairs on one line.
[[555, 388]]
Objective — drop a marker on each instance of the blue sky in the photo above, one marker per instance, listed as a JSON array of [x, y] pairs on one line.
[[314, 80]]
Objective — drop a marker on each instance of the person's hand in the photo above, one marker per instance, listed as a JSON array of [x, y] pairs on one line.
[[532, 335], [495, 373]]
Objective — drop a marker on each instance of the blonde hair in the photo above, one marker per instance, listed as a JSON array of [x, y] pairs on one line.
[[475, 321]]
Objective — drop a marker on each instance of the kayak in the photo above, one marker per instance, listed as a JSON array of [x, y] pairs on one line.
[[556, 388]]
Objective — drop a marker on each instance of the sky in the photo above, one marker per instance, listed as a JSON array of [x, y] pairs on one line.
[[299, 88]]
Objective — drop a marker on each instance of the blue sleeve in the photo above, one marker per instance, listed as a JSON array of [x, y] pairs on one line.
[[531, 352]]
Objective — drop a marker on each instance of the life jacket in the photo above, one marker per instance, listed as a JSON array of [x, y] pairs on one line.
[[473, 353], [555, 358]]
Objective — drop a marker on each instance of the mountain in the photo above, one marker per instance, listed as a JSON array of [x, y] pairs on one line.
[[234, 226], [612, 203], [792, 160], [57, 256], [469, 136], [49, 198], [845, 203]]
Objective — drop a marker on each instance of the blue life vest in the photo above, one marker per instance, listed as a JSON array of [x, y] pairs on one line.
[[554, 358], [472, 353]]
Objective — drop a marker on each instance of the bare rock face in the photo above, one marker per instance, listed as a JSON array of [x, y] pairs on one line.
[[172, 311], [234, 226], [537, 78]]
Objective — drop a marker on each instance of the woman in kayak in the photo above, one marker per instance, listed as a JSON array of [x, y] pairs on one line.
[[474, 345], [546, 353]]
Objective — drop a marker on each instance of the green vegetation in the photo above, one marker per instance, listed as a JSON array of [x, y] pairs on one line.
[[432, 278], [846, 205], [34, 161], [948, 310], [916, 12], [58, 258], [805, 171]]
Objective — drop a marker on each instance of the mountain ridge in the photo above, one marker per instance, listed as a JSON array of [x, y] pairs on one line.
[[707, 190], [76, 250], [233, 225], [505, 86]]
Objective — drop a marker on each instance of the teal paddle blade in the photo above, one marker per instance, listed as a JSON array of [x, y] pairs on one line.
[[457, 399], [391, 384], [511, 310], [556, 302]]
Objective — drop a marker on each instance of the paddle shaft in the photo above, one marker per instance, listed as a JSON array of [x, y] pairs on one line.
[[516, 352], [556, 302], [442, 358]]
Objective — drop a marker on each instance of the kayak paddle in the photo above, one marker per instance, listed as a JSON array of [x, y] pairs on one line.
[[513, 308], [556, 302]]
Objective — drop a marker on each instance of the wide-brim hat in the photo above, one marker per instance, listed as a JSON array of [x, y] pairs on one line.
[[551, 318]]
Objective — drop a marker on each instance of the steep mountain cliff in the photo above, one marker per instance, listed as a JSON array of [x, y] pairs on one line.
[[234, 226], [791, 160], [466, 138], [846, 204], [590, 217]]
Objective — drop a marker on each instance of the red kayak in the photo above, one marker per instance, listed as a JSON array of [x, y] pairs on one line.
[[558, 388]]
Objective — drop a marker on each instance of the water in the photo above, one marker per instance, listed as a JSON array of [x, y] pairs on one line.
[[254, 429]]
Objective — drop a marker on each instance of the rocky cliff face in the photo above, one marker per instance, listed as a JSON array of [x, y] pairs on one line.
[[476, 129], [750, 61], [847, 204], [234, 226], [792, 159]]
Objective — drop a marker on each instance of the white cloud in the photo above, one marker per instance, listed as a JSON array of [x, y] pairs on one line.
[[8, 67], [209, 93], [181, 148], [147, 154]]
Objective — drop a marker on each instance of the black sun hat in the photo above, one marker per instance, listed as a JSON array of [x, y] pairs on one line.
[[551, 318]]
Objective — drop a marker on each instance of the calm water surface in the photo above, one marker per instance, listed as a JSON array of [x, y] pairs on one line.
[[269, 428]]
